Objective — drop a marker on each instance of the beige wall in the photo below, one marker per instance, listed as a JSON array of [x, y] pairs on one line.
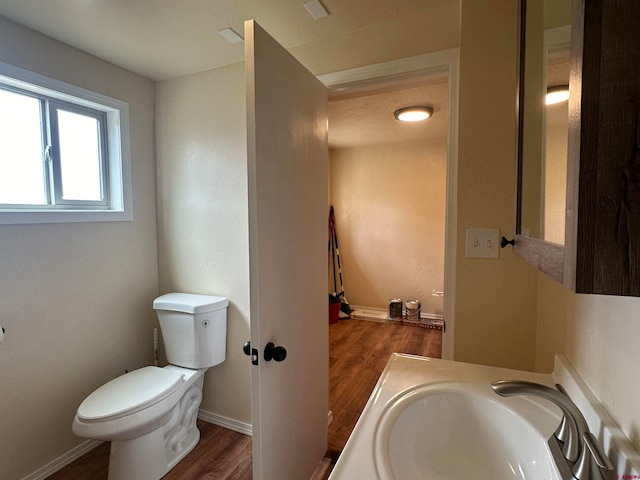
[[555, 174], [76, 298], [533, 125], [389, 202], [495, 299], [202, 213]]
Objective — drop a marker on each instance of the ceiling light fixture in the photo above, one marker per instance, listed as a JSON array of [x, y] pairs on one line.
[[557, 94], [413, 114]]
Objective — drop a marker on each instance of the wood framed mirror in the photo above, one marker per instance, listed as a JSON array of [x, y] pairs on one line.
[[601, 250], [544, 64]]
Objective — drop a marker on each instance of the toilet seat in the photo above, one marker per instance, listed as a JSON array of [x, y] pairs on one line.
[[130, 393]]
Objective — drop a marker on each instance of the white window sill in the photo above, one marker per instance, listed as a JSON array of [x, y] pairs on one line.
[[16, 217]]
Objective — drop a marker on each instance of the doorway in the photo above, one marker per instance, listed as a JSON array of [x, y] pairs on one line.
[[437, 69], [388, 187]]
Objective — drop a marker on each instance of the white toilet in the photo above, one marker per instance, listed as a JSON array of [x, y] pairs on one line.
[[149, 415]]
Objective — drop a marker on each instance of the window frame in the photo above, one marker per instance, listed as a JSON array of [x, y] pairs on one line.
[[116, 204], [55, 157]]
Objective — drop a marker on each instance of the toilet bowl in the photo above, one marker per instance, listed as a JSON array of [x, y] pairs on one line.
[[150, 414]]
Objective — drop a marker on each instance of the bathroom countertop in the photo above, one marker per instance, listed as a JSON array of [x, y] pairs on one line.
[[403, 372]]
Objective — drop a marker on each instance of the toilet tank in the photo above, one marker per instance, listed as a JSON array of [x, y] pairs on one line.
[[194, 328]]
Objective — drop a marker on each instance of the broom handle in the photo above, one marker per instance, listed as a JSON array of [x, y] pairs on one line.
[[332, 251], [335, 239]]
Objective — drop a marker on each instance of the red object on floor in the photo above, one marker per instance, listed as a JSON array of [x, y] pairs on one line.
[[334, 312]]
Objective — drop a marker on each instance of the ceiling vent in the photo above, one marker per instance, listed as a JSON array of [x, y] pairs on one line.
[[231, 35], [316, 9]]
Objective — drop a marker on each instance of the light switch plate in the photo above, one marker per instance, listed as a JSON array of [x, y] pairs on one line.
[[482, 242]]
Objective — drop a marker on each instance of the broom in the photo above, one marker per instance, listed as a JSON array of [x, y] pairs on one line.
[[344, 306]]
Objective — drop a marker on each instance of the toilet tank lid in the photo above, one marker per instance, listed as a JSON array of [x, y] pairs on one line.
[[190, 302]]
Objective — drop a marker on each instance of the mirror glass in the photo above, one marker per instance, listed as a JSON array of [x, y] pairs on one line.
[[543, 133]]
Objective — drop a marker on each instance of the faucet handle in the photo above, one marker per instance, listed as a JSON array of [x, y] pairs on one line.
[[576, 424], [562, 432], [592, 453]]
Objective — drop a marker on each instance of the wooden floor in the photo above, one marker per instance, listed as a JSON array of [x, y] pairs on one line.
[[220, 454], [358, 350]]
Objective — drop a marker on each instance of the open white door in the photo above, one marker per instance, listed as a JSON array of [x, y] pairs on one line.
[[288, 208]]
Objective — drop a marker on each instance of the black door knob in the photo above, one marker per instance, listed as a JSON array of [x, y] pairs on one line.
[[246, 348], [271, 352]]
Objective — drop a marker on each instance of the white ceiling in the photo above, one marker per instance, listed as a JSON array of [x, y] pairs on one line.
[[164, 39]]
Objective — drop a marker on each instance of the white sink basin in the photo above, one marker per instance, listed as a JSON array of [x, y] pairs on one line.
[[461, 430], [432, 419]]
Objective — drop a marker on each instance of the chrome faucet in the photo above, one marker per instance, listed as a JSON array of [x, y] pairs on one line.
[[583, 456]]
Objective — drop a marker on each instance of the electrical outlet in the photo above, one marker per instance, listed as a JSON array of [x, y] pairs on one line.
[[482, 242]]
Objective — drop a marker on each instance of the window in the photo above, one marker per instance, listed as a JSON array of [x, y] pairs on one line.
[[51, 153], [63, 152]]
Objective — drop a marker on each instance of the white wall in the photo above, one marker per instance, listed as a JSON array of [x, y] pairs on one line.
[[75, 298], [203, 216], [600, 336], [390, 210]]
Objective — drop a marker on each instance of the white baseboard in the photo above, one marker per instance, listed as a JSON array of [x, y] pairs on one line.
[[63, 460], [226, 422], [381, 315]]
